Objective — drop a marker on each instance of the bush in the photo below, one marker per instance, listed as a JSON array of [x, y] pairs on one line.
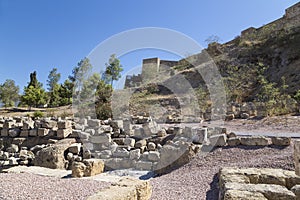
[[38, 114]]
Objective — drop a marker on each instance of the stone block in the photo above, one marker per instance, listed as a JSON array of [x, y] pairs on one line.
[[93, 167], [27, 125], [100, 139], [9, 124], [129, 142], [33, 132], [135, 154], [281, 141], [42, 132], [200, 136], [63, 133], [49, 124], [235, 141], [297, 156], [144, 165], [218, 140], [64, 124], [254, 141], [153, 156], [4, 132], [24, 133], [121, 153], [140, 143], [94, 123]]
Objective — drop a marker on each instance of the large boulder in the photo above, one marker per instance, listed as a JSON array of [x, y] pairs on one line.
[[53, 156], [89, 167]]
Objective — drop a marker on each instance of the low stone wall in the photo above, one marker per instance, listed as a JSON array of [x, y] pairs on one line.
[[137, 143], [258, 184]]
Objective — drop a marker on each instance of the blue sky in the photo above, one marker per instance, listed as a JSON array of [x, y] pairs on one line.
[[42, 34]]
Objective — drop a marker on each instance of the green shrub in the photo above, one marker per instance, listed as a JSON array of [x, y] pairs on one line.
[[38, 114]]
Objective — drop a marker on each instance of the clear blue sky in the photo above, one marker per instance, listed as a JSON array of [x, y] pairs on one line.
[[42, 34]]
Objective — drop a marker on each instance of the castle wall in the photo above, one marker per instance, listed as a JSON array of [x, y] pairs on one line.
[[292, 11], [150, 69]]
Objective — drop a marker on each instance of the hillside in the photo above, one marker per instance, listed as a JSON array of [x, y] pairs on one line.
[[261, 65]]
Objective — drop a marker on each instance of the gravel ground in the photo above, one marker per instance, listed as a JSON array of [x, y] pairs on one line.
[[198, 179], [17, 186]]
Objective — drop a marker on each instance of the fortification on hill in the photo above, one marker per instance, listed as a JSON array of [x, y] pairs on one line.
[[153, 68]]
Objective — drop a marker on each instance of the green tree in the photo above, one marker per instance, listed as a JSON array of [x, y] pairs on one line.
[[34, 97], [53, 79], [113, 69], [34, 94], [80, 72], [66, 93], [53, 87], [9, 93], [103, 100]]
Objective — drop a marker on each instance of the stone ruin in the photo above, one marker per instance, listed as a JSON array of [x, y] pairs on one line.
[[90, 146]]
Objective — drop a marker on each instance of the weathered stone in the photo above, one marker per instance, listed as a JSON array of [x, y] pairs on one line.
[[254, 141], [126, 188], [296, 191], [94, 123], [119, 163], [9, 124], [75, 148], [13, 161], [27, 125], [297, 156], [281, 141], [244, 115], [270, 191], [162, 133], [63, 133], [64, 124], [140, 143], [121, 153], [231, 135], [100, 139], [105, 129], [119, 141], [33, 132], [153, 156], [151, 146], [13, 148], [4, 155], [24, 133], [135, 154], [93, 167], [43, 132], [86, 154], [53, 156], [4, 132], [144, 165], [129, 142], [218, 140], [49, 124], [234, 141], [241, 195], [78, 169], [200, 136]]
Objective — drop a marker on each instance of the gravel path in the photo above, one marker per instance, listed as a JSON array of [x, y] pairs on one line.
[[27, 186], [198, 179]]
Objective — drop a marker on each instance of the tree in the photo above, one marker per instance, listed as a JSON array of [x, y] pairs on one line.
[[9, 93], [213, 39], [53, 79], [113, 69], [53, 88], [80, 72], [66, 93], [34, 97], [103, 100], [34, 93]]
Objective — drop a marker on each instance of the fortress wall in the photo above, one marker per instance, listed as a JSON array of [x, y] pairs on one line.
[[150, 69]]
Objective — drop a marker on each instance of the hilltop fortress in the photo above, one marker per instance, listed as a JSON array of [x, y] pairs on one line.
[[153, 68]]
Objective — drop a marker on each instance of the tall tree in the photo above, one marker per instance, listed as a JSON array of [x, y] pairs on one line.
[[80, 72], [113, 69], [53, 79], [9, 93], [34, 94], [53, 88]]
